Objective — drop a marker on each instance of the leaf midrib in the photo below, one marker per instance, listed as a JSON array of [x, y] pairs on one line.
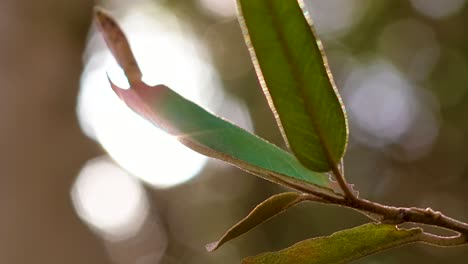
[[299, 80]]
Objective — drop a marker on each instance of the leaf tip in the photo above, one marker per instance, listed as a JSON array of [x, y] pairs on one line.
[[118, 44], [118, 90], [104, 20], [212, 246], [98, 11]]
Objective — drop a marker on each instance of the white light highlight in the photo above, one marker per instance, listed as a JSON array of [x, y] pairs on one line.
[[109, 200], [334, 16], [438, 8], [381, 101], [222, 8], [166, 55], [386, 109]]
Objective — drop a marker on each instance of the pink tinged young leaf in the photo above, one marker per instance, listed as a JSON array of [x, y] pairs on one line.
[[139, 99], [261, 213], [202, 131], [342, 246], [217, 138], [118, 44]]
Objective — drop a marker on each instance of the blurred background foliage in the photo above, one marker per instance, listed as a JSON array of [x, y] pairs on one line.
[[401, 66]]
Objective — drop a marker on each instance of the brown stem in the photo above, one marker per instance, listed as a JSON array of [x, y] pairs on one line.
[[399, 215], [342, 182]]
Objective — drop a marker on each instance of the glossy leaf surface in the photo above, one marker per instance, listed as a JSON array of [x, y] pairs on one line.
[[295, 78]]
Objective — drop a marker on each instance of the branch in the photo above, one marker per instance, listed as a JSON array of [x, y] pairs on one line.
[[441, 241], [398, 215], [348, 192]]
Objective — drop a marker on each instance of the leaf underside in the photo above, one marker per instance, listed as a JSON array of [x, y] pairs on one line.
[[261, 213], [340, 247], [296, 80]]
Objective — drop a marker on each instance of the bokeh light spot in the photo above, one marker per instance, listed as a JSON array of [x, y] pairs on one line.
[[335, 16], [221, 8], [386, 108], [437, 8], [109, 200], [167, 54], [380, 101]]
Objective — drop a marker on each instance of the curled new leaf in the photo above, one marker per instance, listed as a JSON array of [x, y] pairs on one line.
[[261, 213], [117, 42], [202, 131], [341, 247], [293, 72]]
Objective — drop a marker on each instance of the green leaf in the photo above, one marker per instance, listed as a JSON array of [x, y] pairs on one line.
[[261, 213], [201, 130], [293, 72], [341, 247], [216, 137]]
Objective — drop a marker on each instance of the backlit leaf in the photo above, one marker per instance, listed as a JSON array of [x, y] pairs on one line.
[[201, 130], [295, 78], [216, 137], [261, 213]]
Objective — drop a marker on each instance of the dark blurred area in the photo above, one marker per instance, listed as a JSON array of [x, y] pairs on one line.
[[401, 66]]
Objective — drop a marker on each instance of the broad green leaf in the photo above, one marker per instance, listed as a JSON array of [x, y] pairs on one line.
[[295, 78], [341, 247], [261, 213], [201, 130]]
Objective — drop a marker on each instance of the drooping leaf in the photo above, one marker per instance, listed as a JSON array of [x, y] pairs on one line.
[[295, 78], [261, 213], [201, 130], [340, 247]]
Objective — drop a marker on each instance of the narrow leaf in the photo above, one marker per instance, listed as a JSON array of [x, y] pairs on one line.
[[295, 78], [215, 137], [341, 247], [203, 131], [261, 213]]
